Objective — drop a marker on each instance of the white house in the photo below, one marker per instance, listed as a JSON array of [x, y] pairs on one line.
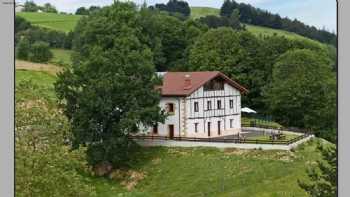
[[19, 7], [199, 104]]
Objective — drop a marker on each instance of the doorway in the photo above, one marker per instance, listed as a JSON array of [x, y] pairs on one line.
[[208, 129], [219, 127], [171, 131]]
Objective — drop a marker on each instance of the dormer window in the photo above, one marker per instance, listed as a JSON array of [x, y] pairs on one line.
[[215, 84]]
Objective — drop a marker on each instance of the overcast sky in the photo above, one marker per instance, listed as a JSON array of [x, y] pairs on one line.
[[319, 13]]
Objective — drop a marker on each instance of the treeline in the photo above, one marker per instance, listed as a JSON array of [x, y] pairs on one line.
[[256, 16], [178, 8], [87, 11], [223, 21], [33, 43], [30, 6]]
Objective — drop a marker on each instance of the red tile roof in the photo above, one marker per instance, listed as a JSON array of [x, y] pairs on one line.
[[178, 84]]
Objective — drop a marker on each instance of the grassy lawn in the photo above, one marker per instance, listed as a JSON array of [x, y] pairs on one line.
[[61, 22], [43, 80], [61, 55], [213, 172], [197, 12], [289, 136], [259, 30], [247, 120]]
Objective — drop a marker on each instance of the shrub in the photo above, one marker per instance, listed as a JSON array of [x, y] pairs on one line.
[[23, 49], [40, 52]]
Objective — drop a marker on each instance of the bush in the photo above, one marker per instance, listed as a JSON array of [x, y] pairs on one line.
[[23, 49], [40, 52], [54, 38]]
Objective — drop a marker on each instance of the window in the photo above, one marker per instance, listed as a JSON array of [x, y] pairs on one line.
[[170, 107], [208, 105], [219, 104], [231, 123], [231, 103], [196, 109], [196, 127]]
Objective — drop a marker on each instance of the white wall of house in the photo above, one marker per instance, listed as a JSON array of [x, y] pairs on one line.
[[185, 118], [172, 119], [215, 117]]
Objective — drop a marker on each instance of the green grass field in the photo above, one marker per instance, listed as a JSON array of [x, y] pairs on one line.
[[267, 137], [197, 12], [42, 80], [213, 172], [60, 22], [247, 120], [195, 172], [61, 55]]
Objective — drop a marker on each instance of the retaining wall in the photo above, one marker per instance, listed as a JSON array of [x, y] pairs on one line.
[[173, 143]]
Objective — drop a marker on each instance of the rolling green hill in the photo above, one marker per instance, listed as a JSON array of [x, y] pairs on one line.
[[65, 22], [60, 22], [197, 12]]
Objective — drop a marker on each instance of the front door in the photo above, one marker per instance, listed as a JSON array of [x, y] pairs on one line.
[[208, 129], [155, 129], [171, 131], [219, 127]]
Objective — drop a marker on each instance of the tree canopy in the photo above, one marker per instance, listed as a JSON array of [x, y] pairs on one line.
[[217, 49], [109, 91], [175, 6], [303, 90], [323, 177]]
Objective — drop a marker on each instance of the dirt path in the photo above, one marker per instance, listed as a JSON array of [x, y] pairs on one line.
[[49, 68]]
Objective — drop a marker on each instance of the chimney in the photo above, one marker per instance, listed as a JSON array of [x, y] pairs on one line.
[[188, 84]]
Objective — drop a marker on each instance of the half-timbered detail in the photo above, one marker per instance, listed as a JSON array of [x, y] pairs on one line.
[[200, 104]]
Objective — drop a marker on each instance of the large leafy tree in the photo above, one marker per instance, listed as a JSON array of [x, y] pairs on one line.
[[109, 91], [49, 8], [30, 6], [217, 49], [303, 90], [176, 6], [82, 11], [323, 178], [167, 36]]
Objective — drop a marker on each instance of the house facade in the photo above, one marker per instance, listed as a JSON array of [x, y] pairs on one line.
[[199, 104]]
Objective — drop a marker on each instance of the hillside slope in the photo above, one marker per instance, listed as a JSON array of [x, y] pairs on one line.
[[197, 12], [60, 22], [161, 171]]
